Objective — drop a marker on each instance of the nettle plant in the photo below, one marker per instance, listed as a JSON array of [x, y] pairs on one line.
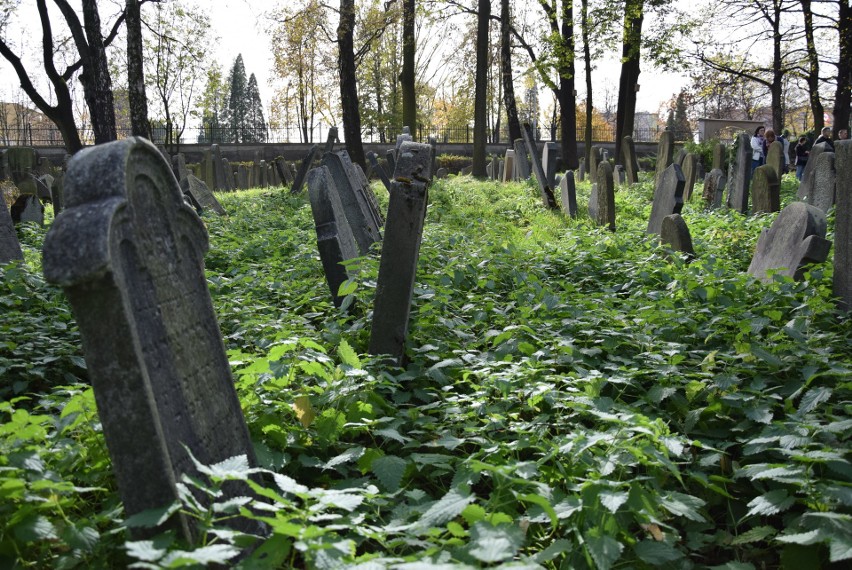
[[572, 398]]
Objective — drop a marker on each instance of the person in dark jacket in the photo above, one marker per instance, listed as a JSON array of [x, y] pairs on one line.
[[825, 137], [802, 153]]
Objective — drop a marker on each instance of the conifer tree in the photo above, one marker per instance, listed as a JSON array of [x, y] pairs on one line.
[[238, 104], [255, 122]]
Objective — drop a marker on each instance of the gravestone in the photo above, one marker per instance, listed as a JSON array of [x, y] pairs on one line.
[[219, 169], [129, 255], [229, 175], [43, 183], [593, 202], [549, 158], [400, 251], [433, 142], [356, 206], [674, 233], [390, 157], [284, 172], [10, 247], [547, 197], [720, 154], [242, 177], [775, 158], [605, 197], [568, 193], [489, 169], [404, 137], [581, 170], [740, 174], [668, 198], [595, 159], [501, 167], [521, 168], [200, 195], [208, 172], [299, 180], [335, 241], [509, 168], [356, 173], [264, 174], [665, 152], [57, 197], [27, 208], [330, 140], [442, 173], [466, 170], [20, 163], [679, 156], [842, 285], [180, 166], [796, 238], [824, 180], [272, 171], [714, 188], [765, 190], [806, 185], [631, 164], [619, 175], [689, 168], [378, 169]]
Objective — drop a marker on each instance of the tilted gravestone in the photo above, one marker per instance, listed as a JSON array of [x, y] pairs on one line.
[[549, 156], [547, 197], [665, 152], [679, 156], [714, 188], [765, 190], [284, 171], [631, 164], [27, 208], [442, 173], [739, 175], [568, 193], [843, 225], [674, 233], [356, 173], [10, 247], [775, 158], [335, 241], [356, 205], [330, 140], [466, 170], [200, 195], [400, 251], [509, 168], [180, 166], [796, 238], [824, 181], [390, 156], [618, 175], [668, 198], [605, 197], [807, 183], [130, 256], [522, 163], [720, 154], [689, 168], [299, 180], [378, 169]]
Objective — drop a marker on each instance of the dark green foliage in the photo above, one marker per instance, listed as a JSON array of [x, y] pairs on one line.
[[575, 398]]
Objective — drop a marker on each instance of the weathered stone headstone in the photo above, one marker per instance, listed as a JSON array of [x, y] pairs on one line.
[[130, 256], [549, 156], [665, 153], [57, 196], [581, 171], [390, 156], [775, 158], [355, 173], [595, 159], [200, 195], [568, 193], [19, 164], [509, 167], [521, 168], [362, 220], [631, 164], [180, 166], [547, 197], [264, 174], [765, 190], [824, 180], [466, 170], [27, 208], [796, 237], [679, 156], [378, 169], [593, 202], [330, 140], [739, 175], [605, 207], [208, 171], [619, 175], [400, 251], [10, 247], [442, 173], [674, 233], [243, 177], [714, 188], [720, 155], [843, 225], [668, 198], [219, 169], [43, 184], [807, 183], [299, 180], [230, 183], [689, 168], [284, 171], [335, 241]]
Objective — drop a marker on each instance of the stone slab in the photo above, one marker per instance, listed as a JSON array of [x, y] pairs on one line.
[[668, 198]]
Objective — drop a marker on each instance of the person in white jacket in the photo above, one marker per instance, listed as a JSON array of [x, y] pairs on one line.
[[758, 158]]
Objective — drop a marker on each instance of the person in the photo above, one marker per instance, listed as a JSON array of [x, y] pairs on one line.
[[825, 137], [801, 157], [758, 156], [784, 139], [843, 134], [768, 139]]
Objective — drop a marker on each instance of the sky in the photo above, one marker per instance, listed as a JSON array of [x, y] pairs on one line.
[[241, 26]]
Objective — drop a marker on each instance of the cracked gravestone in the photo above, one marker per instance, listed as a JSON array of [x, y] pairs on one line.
[[129, 255], [668, 198]]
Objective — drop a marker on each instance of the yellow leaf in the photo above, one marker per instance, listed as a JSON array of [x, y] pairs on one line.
[[304, 410]]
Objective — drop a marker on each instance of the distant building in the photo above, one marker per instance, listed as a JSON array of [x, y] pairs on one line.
[[725, 129], [22, 126]]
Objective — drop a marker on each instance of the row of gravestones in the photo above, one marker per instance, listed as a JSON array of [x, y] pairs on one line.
[[36, 180]]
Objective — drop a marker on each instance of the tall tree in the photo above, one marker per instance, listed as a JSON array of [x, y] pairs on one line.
[[586, 33], [480, 122], [634, 14], [812, 73], [138, 100], [351, 113], [407, 78], [506, 69], [238, 105], [213, 107], [843, 92], [255, 121]]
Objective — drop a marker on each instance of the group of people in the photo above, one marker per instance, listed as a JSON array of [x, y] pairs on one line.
[[763, 138]]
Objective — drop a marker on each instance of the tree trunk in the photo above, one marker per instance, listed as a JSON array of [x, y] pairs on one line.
[[843, 93], [777, 89], [587, 59], [480, 122], [97, 85], [406, 78], [630, 57], [514, 124], [138, 101], [567, 97], [349, 84]]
